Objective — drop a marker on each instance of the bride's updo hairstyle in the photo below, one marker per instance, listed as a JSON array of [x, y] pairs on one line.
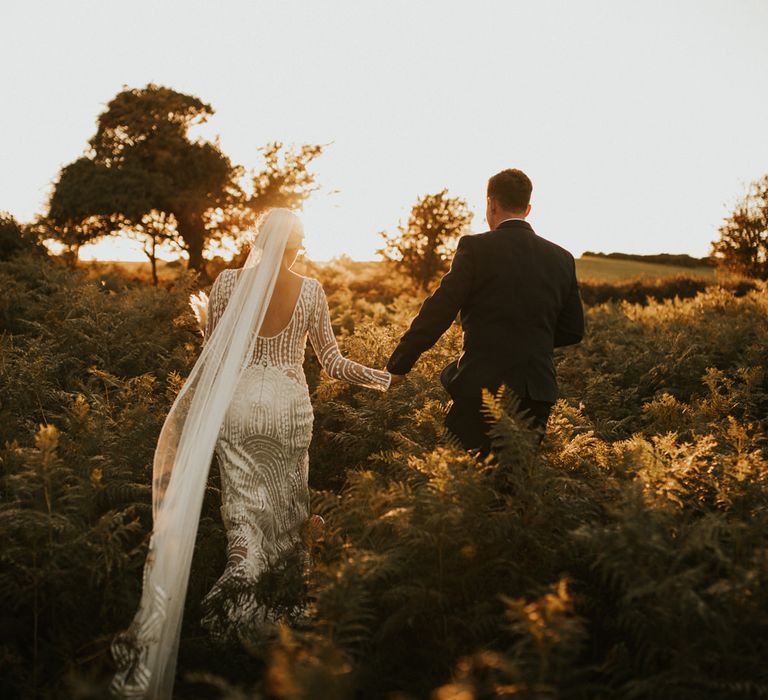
[[283, 218], [296, 237]]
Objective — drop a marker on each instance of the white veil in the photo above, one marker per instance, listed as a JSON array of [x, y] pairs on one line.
[[146, 653]]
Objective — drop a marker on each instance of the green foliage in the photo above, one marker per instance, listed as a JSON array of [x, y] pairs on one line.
[[624, 559], [424, 246], [286, 180], [144, 175], [641, 291], [141, 160], [16, 239], [86, 376], [743, 243]]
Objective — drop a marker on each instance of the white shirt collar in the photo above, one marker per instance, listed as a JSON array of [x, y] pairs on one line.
[[514, 218]]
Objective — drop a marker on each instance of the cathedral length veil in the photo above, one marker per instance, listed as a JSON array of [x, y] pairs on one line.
[[146, 653]]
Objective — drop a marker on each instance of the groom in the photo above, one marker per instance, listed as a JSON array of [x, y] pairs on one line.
[[518, 298]]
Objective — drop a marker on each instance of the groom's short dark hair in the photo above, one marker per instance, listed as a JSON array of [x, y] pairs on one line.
[[511, 188]]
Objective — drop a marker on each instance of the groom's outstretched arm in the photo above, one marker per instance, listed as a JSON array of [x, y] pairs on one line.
[[437, 312]]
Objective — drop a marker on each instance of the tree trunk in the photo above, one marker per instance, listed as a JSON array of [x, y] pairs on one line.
[[154, 271], [192, 231], [195, 257], [71, 254], [152, 260]]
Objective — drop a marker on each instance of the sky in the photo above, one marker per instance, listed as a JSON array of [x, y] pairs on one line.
[[640, 123]]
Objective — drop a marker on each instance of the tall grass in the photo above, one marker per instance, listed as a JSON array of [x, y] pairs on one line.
[[625, 559]]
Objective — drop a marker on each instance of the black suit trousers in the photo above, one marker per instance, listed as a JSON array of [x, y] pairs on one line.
[[465, 420]]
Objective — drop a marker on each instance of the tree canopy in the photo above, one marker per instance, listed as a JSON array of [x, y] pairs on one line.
[[424, 246], [144, 173], [743, 243]]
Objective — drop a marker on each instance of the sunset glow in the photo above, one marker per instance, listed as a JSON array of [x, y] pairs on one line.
[[639, 123]]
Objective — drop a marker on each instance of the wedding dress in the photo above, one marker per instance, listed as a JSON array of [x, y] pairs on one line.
[[246, 399], [262, 448]]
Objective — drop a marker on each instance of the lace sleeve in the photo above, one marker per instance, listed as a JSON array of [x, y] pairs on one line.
[[217, 301], [333, 362]]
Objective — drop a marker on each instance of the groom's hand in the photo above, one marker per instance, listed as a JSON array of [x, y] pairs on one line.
[[397, 379]]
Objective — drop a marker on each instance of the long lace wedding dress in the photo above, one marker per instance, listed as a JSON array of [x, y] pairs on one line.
[[245, 399], [262, 448]]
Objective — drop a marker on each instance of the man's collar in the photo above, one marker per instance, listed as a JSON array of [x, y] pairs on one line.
[[514, 223]]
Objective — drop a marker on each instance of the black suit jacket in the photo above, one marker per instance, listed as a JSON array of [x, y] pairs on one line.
[[518, 298]]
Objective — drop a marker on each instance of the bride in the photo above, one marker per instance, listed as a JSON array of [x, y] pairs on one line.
[[246, 399]]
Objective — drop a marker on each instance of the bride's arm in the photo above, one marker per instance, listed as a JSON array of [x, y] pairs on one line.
[[213, 309], [333, 362]]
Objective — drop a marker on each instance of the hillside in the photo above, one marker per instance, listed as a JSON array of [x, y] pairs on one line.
[[611, 269]]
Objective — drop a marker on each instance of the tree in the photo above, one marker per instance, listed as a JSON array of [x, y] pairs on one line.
[[155, 230], [743, 243], [77, 211], [142, 163], [142, 159], [285, 180], [424, 247], [16, 238]]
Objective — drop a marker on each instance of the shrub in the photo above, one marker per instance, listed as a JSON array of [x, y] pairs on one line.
[[624, 559]]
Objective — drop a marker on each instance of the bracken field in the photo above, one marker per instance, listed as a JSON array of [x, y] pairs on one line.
[[627, 559]]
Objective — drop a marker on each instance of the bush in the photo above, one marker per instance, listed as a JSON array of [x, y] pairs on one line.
[[624, 559], [641, 291], [16, 239]]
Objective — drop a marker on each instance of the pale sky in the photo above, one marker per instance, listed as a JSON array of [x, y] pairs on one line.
[[640, 123]]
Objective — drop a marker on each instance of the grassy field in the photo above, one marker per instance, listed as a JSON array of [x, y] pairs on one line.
[[607, 269], [142, 270], [132, 267], [587, 268]]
